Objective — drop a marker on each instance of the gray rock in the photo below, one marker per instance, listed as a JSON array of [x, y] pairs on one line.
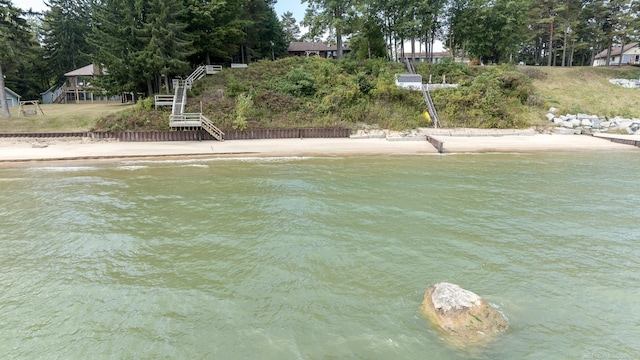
[[576, 122], [550, 116], [586, 122], [558, 121], [624, 123], [462, 314], [554, 110], [583, 116], [568, 124]]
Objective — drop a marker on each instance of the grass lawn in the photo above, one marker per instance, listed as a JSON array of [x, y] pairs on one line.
[[587, 90], [59, 118]]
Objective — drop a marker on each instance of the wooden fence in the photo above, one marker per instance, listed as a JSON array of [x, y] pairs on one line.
[[286, 133]]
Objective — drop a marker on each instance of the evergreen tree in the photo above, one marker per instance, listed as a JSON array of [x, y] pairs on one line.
[[264, 38], [167, 49], [15, 40], [31, 75], [332, 15], [215, 28], [65, 27], [290, 27], [118, 41], [139, 41]]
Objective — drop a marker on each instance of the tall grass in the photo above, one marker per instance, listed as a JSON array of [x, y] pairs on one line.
[[587, 90]]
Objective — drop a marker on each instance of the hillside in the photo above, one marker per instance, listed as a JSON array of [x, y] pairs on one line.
[[587, 90], [314, 92]]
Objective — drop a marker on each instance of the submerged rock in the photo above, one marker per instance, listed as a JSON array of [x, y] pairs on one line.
[[462, 314]]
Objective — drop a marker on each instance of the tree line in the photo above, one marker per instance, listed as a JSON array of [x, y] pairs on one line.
[[142, 43], [138, 43], [536, 32]]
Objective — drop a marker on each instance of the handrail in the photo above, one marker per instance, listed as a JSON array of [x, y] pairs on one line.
[[427, 97], [196, 119], [430, 107], [163, 100], [197, 74], [178, 117], [176, 96], [212, 69], [211, 129], [184, 99]]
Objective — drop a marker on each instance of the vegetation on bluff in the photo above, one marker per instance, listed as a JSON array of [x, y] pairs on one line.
[[315, 92], [289, 93]]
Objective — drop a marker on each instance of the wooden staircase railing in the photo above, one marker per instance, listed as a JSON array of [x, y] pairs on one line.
[[163, 100], [208, 126], [190, 120], [179, 99], [180, 119]]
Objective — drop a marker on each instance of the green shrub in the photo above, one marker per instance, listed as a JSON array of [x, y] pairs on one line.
[[244, 109], [146, 104], [364, 84], [234, 86], [494, 99], [298, 83]]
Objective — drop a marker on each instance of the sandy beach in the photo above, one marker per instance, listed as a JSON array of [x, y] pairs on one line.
[[21, 150]]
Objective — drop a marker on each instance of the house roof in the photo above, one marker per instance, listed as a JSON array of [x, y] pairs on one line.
[[12, 92], [296, 46], [54, 87], [616, 50], [83, 71]]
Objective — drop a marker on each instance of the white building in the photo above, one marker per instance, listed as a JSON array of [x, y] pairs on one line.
[[630, 55]]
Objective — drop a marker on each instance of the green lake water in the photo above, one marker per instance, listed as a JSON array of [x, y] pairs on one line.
[[319, 258]]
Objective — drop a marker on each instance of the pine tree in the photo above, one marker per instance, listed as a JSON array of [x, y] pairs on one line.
[[14, 40], [168, 47], [215, 28], [65, 27], [290, 27], [332, 15], [118, 41], [265, 38], [139, 41]]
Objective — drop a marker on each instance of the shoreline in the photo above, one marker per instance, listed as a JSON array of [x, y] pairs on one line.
[[29, 151]]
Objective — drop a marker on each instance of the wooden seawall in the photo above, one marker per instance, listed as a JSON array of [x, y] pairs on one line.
[[192, 135]]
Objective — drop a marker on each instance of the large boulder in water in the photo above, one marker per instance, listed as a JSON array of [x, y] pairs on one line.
[[462, 314]]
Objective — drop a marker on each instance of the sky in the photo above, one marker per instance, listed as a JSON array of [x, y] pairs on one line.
[[35, 5], [281, 7]]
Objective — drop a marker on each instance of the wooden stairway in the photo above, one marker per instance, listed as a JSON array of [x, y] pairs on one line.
[[179, 119]]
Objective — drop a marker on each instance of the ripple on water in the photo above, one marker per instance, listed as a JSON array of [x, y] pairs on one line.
[[314, 258]]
